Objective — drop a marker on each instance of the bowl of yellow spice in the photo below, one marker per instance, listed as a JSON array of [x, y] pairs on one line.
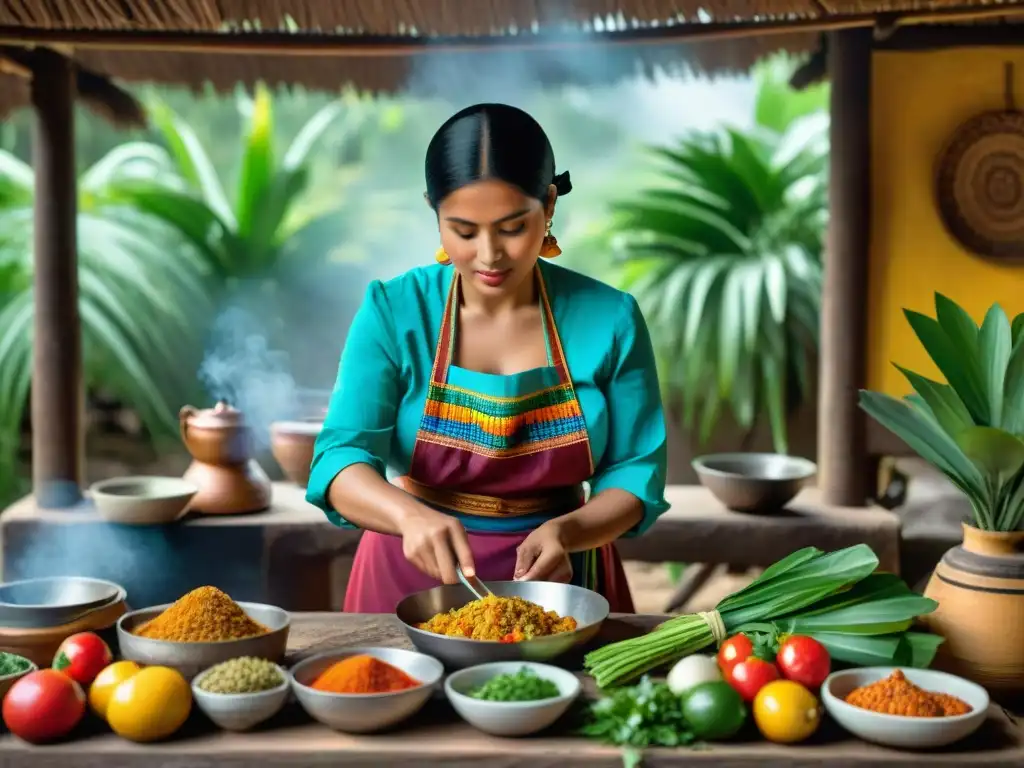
[[203, 628]]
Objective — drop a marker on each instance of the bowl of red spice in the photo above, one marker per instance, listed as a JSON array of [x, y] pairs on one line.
[[905, 708], [361, 690]]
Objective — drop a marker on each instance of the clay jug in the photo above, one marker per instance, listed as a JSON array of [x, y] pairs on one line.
[[230, 480], [979, 587]]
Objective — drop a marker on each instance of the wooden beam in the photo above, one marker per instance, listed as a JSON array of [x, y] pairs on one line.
[[57, 392], [842, 445], [305, 43], [962, 36]]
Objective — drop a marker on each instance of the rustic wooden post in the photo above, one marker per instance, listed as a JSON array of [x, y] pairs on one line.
[[842, 445], [57, 392]]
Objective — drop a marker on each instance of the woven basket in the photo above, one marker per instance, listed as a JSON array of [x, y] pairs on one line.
[[980, 184]]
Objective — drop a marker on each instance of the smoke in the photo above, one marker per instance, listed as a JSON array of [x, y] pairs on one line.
[[241, 369]]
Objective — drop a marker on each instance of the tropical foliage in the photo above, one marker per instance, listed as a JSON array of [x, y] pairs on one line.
[[139, 290], [162, 247], [724, 256], [971, 428]]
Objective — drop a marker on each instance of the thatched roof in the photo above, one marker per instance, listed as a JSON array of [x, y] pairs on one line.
[[142, 41]]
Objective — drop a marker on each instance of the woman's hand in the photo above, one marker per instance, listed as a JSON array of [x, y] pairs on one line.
[[435, 543], [543, 557]]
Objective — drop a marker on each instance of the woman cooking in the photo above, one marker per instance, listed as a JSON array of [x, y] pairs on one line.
[[498, 383]]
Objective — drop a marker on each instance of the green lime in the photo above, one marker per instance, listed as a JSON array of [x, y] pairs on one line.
[[714, 710]]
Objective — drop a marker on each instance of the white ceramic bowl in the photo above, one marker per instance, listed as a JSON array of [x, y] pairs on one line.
[[142, 500], [241, 711], [366, 712], [897, 730], [510, 718]]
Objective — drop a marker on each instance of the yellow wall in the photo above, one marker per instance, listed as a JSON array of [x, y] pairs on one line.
[[918, 100]]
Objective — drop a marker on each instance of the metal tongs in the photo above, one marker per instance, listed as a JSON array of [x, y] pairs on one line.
[[473, 584]]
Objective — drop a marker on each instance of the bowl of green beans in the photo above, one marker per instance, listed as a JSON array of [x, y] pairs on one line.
[[511, 698]]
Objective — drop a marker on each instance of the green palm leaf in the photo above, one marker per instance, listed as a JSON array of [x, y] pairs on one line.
[[724, 257], [136, 280]]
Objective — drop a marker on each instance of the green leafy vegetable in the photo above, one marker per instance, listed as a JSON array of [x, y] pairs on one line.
[[645, 715], [861, 617]]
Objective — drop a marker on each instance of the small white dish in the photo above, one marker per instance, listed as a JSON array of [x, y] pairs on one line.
[[366, 712], [898, 730], [142, 500], [241, 711], [510, 718]]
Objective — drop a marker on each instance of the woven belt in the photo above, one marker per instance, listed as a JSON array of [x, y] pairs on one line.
[[493, 506]]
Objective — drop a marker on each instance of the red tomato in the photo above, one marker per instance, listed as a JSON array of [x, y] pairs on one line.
[[804, 660], [83, 656], [750, 676], [43, 706], [734, 650]]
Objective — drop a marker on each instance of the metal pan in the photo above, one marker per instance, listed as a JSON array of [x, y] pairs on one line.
[[54, 601], [588, 608]]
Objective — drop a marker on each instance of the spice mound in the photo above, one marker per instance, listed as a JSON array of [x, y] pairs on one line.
[[363, 674], [242, 675], [204, 615], [895, 695], [501, 619], [12, 664], [524, 685]]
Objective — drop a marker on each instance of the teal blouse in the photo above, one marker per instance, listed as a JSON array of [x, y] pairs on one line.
[[381, 388]]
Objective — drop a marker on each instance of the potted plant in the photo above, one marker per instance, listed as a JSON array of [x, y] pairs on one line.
[[971, 428]]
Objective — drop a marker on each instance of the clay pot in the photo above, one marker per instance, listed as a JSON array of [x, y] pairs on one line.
[[979, 587], [217, 435], [292, 444], [230, 481]]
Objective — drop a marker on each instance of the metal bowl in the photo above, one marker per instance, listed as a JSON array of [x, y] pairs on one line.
[[54, 601], [366, 712], [588, 608], [759, 483], [192, 658]]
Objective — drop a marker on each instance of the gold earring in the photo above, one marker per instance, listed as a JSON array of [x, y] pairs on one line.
[[549, 248], [441, 256]]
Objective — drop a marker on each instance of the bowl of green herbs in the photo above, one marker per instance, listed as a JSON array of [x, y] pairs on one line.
[[511, 698], [12, 668]]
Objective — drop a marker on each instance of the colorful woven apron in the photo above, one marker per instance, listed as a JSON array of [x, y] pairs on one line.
[[505, 462]]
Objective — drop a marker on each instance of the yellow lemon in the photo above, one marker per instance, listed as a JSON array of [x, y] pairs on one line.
[[106, 681], [150, 705], [786, 712]]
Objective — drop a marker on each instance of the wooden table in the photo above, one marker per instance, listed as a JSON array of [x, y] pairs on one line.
[[436, 737]]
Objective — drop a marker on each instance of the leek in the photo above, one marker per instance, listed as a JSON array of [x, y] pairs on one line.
[[860, 616]]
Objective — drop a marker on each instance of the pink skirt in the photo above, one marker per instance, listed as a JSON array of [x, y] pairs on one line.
[[382, 577]]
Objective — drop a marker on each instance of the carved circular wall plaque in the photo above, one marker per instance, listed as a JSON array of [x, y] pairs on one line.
[[981, 185]]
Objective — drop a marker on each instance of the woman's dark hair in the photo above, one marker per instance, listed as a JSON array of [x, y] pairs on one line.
[[492, 141]]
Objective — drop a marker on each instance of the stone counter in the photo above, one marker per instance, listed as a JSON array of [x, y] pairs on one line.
[[291, 556]]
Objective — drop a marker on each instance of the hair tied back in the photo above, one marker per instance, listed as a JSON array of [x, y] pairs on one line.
[[562, 183]]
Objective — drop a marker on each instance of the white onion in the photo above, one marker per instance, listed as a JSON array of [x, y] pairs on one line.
[[691, 671]]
